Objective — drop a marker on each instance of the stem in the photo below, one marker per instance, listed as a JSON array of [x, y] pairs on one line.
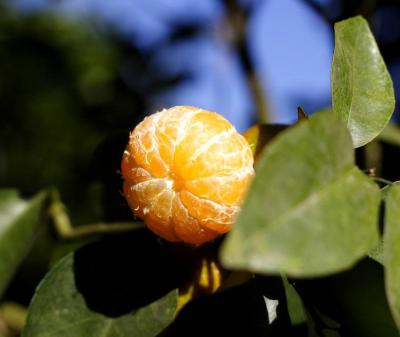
[[301, 115], [65, 229], [382, 180], [373, 156], [99, 228], [317, 8], [237, 17], [13, 315]]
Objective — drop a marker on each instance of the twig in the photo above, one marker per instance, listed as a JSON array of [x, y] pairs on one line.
[[383, 180], [66, 230], [13, 315], [320, 11], [237, 18]]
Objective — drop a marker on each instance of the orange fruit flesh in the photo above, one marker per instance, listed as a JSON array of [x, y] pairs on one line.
[[185, 172]]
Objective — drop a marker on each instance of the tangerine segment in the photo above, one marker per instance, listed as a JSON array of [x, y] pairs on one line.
[[172, 128], [144, 147], [152, 201], [217, 150], [213, 188], [186, 171], [210, 214], [187, 227], [132, 171]]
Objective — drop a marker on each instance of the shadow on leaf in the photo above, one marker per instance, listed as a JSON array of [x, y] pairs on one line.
[[238, 311], [124, 273], [355, 299]]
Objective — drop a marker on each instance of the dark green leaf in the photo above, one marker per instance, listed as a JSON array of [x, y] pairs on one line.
[[19, 224], [117, 287], [362, 91], [255, 308], [355, 299], [392, 249], [309, 211], [320, 325]]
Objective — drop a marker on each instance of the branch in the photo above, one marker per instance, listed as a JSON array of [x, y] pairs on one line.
[[237, 18], [66, 230]]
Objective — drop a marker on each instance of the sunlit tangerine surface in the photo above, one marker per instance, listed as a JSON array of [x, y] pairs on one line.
[[185, 172]]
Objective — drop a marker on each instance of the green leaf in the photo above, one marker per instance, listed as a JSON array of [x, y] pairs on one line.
[[362, 90], [392, 250], [120, 286], [309, 210], [377, 253], [295, 305], [19, 224]]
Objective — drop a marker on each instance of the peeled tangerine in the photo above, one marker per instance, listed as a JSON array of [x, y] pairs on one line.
[[185, 172]]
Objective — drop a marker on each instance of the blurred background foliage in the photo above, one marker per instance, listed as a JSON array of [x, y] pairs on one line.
[[77, 75]]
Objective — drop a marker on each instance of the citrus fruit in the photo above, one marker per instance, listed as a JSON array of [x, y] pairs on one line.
[[186, 171]]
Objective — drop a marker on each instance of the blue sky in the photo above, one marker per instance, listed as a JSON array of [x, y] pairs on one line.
[[290, 45]]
